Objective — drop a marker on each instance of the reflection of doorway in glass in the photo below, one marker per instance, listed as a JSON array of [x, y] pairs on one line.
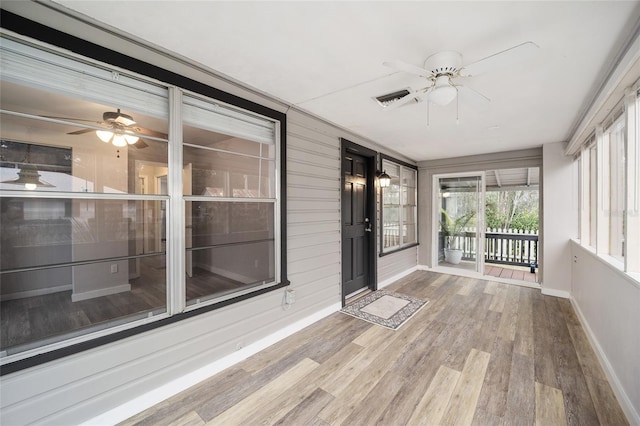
[[459, 221]]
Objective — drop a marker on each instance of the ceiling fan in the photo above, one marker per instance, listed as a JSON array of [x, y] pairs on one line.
[[120, 129], [443, 68]]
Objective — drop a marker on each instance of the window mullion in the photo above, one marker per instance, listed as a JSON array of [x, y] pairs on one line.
[[176, 299], [632, 208], [401, 210], [602, 192]]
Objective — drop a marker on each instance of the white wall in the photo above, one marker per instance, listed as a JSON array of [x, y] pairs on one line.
[[608, 304], [559, 218]]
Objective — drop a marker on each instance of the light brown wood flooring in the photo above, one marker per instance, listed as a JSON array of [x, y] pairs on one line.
[[513, 272], [480, 353]]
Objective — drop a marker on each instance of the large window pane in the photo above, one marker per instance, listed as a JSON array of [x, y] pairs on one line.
[[593, 199], [107, 126], [409, 179], [399, 207], [74, 266], [232, 249], [230, 245], [221, 174], [617, 190]]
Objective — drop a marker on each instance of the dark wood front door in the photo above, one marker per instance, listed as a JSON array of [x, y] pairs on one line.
[[357, 226]]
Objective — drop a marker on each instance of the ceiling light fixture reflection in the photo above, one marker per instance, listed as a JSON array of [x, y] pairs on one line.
[[28, 175], [117, 138]]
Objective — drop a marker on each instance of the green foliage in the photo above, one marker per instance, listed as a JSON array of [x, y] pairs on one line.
[[525, 221], [512, 210], [451, 227]]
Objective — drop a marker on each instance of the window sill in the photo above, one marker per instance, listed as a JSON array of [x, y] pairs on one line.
[[612, 263], [408, 246]]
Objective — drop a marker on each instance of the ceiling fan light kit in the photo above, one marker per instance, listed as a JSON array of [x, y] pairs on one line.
[[118, 139], [443, 92], [442, 68]]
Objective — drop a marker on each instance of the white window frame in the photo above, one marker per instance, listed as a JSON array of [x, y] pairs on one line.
[[599, 238]]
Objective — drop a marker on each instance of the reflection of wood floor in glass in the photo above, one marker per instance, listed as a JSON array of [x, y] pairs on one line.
[[31, 319]]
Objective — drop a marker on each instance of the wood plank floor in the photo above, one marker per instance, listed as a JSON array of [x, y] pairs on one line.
[[480, 353]]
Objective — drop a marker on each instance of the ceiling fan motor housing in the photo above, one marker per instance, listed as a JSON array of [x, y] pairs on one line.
[[118, 117], [443, 63]]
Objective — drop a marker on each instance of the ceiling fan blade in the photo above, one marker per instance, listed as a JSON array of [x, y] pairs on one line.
[[149, 132], [70, 119], [406, 99], [140, 144], [472, 97], [81, 131], [499, 60], [403, 66]]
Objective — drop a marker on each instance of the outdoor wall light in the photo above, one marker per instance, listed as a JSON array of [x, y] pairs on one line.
[[384, 180]]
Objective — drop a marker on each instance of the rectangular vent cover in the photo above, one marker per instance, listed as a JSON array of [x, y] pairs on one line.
[[386, 100]]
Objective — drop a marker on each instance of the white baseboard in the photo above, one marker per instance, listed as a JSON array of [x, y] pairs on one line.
[[38, 292], [556, 293], [149, 399], [76, 297], [395, 278], [625, 403]]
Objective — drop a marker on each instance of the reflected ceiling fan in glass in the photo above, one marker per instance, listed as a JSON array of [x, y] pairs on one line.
[[118, 129]]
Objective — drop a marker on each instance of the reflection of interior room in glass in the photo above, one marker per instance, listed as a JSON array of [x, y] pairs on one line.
[[28, 166]]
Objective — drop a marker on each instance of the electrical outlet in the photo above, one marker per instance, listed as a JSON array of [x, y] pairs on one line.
[[289, 296], [114, 268]]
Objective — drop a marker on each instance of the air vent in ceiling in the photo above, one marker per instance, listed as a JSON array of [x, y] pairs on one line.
[[389, 98]]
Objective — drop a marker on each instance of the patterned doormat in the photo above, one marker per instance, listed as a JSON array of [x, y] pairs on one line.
[[385, 308]]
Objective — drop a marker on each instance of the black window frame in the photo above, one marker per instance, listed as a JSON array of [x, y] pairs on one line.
[[383, 253], [60, 39]]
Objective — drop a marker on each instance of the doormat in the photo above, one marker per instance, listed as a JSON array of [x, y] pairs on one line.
[[385, 308]]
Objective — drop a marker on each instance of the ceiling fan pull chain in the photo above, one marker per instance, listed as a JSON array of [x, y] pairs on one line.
[[428, 112], [457, 109]]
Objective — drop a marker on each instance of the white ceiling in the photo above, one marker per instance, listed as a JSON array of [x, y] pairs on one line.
[[326, 58]]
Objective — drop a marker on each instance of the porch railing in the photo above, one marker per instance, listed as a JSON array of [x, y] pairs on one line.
[[502, 246]]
